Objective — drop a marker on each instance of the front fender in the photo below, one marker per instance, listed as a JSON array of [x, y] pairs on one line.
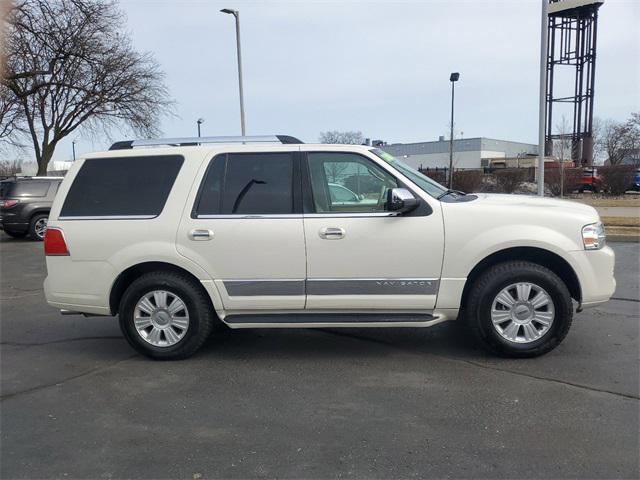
[[463, 254]]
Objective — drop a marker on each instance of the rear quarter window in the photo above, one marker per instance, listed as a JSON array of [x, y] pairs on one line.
[[122, 186], [25, 188], [4, 189]]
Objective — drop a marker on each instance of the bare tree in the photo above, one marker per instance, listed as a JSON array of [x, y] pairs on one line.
[[10, 167], [4, 10], [344, 138], [620, 140], [562, 147], [70, 64], [11, 119], [335, 171], [599, 155]]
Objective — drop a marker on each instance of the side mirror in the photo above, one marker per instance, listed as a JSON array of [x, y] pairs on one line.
[[401, 200]]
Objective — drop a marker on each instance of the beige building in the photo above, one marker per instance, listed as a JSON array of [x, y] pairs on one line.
[[467, 152]]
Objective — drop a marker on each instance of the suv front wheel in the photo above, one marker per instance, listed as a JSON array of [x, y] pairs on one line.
[[519, 309], [165, 315]]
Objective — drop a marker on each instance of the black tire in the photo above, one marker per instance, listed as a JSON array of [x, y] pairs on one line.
[[34, 224], [477, 311], [201, 314], [15, 234]]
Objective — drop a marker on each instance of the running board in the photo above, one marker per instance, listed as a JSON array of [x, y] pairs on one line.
[[302, 319]]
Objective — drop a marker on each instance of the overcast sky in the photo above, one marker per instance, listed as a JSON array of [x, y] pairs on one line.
[[380, 67]]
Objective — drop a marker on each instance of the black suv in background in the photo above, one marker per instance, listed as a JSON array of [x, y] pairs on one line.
[[25, 203]]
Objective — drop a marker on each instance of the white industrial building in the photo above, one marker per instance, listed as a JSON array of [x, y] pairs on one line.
[[467, 152], [56, 167]]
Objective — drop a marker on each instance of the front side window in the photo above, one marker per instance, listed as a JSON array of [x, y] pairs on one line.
[[248, 184], [122, 186], [348, 183]]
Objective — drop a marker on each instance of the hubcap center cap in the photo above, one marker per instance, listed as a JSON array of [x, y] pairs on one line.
[[161, 318], [522, 313]]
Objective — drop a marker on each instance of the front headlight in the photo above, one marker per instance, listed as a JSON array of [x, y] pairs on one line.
[[593, 236]]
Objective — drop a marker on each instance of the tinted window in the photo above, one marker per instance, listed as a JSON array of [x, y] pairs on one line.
[[210, 198], [348, 183], [122, 186], [26, 188], [248, 184], [4, 189]]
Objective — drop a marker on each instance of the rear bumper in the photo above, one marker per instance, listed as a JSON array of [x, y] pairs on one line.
[[14, 227], [78, 286], [14, 219]]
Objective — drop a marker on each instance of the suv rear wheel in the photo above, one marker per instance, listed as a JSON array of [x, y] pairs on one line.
[[165, 315], [519, 309], [37, 226]]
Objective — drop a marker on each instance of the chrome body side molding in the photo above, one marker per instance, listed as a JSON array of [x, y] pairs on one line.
[[251, 288], [332, 286]]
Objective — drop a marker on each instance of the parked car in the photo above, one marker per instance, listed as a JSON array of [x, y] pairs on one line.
[[590, 181], [636, 181], [341, 195], [25, 203], [174, 238]]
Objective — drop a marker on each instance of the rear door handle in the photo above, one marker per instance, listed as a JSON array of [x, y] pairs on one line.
[[200, 234], [332, 233]]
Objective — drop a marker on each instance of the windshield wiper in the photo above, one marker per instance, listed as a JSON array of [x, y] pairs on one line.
[[448, 192]]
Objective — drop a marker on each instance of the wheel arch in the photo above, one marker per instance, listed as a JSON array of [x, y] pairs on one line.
[[127, 276], [37, 211], [540, 256]]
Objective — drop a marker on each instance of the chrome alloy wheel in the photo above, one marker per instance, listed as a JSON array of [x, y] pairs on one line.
[[40, 227], [522, 312], [161, 318]]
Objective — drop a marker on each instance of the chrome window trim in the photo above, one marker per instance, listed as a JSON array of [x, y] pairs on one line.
[[247, 216], [109, 217], [351, 215], [300, 215]]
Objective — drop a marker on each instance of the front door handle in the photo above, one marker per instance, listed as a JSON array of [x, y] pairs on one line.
[[332, 233], [200, 234]]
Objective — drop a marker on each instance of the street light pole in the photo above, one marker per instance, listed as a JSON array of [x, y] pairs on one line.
[[73, 148], [236, 14], [544, 33], [453, 79], [200, 121]]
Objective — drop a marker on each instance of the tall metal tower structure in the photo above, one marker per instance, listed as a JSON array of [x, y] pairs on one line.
[[572, 46]]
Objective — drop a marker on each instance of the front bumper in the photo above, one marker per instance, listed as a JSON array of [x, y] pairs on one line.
[[595, 273]]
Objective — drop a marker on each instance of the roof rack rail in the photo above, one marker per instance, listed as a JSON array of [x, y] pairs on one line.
[[31, 177], [191, 141]]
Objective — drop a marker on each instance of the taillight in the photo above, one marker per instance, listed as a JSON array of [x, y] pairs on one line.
[[8, 203], [54, 243]]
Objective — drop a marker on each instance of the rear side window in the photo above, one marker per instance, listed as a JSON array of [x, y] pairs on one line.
[[26, 188], [248, 184], [122, 186], [4, 189]]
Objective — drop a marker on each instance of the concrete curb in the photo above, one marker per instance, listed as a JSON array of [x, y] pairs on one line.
[[623, 238]]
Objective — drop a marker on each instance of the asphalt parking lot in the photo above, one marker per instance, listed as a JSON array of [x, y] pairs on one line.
[[76, 402]]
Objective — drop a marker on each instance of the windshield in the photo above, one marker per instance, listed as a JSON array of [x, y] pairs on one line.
[[432, 187]]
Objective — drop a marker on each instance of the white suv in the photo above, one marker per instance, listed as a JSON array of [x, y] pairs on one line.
[[177, 236]]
